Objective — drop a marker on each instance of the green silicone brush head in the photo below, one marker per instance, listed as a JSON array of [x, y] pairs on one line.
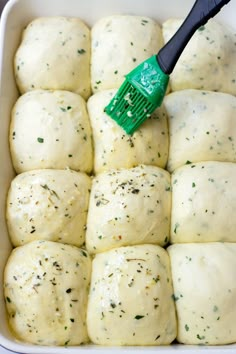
[[141, 93]]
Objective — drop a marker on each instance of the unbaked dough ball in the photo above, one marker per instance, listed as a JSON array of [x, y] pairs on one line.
[[204, 281], [130, 300], [119, 44], [129, 207], [202, 127], [113, 148], [50, 129], [208, 61], [54, 54], [48, 205], [46, 288], [204, 203]]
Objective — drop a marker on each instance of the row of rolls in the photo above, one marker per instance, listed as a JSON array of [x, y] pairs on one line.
[[124, 207], [134, 295], [56, 129], [120, 239], [63, 53]]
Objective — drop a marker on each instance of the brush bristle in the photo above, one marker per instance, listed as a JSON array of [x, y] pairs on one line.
[[129, 108], [141, 93]]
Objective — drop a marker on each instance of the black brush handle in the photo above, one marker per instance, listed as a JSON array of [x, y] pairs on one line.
[[200, 13]]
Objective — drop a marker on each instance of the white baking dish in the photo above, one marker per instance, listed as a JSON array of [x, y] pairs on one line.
[[16, 15]]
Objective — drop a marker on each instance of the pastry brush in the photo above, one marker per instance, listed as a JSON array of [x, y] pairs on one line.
[[144, 87]]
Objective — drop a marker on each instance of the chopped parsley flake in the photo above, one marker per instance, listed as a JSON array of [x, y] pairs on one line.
[[84, 253], [200, 337], [81, 51], [186, 328], [201, 28], [40, 140], [176, 227], [174, 297]]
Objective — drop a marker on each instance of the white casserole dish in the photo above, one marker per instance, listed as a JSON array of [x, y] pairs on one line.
[[16, 15]]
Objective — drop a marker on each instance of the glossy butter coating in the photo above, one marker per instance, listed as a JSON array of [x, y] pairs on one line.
[[113, 148], [129, 207], [46, 289], [131, 297], [48, 205]]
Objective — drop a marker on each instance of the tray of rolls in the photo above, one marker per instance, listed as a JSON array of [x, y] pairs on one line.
[[110, 241]]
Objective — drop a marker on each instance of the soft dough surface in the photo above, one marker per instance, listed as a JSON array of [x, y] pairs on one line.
[[54, 54], [119, 44], [204, 203], [130, 300], [202, 127], [129, 207], [46, 289], [204, 280], [208, 61], [113, 148], [50, 129], [48, 205]]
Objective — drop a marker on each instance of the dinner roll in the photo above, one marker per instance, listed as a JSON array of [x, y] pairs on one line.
[[202, 127], [50, 129], [204, 280], [208, 61], [46, 288], [48, 205], [113, 148], [129, 207], [54, 54], [204, 203], [119, 44], [130, 300]]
